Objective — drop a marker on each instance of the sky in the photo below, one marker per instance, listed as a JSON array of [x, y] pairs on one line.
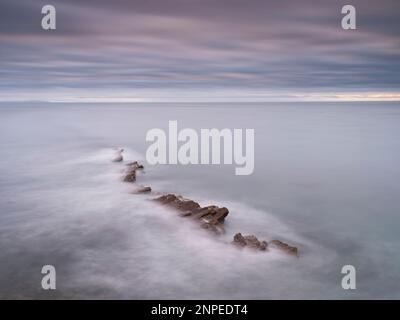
[[199, 50]]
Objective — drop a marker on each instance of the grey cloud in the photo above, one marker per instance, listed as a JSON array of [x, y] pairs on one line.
[[153, 44]]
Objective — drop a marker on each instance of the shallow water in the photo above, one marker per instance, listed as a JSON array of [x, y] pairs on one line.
[[325, 179]]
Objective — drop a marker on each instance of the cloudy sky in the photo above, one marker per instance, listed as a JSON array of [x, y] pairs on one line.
[[199, 50]]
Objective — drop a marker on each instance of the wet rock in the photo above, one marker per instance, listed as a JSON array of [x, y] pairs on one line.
[[165, 199], [130, 175], [179, 203], [284, 247], [217, 229], [250, 242], [210, 217], [143, 190], [118, 156], [211, 214], [136, 165], [221, 214]]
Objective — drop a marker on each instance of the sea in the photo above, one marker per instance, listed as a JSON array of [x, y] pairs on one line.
[[326, 179]]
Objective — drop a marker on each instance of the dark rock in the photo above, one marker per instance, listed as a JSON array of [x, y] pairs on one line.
[[218, 229], [178, 202], [284, 247], [130, 175], [211, 214], [143, 190], [166, 198], [250, 242], [186, 205], [204, 212], [221, 214], [210, 217], [136, 165]]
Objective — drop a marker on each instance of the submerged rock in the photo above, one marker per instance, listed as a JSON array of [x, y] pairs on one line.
[[118, 156], [250, 242], [284, 247]]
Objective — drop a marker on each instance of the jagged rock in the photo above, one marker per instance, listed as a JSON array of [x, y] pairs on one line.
[[284, 247], [211, 214], [130, 175], [210, 217], [179, 203], [218, 229], [221, 214], [166, 198], [250, 242], [136, 165]]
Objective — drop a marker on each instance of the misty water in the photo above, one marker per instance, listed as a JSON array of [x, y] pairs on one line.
[[326, 179]]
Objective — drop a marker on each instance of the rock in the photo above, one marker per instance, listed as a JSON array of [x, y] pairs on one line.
[[217, 229], [118, 156], [136, 165], [211, 214], [284, 247], [221, 214], [143, 190], [186, 205], [250, 242], [210, 217], [165, 199], [130, 175], [178, 202]]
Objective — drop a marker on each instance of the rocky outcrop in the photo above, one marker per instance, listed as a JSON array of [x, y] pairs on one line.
[[284, 247], [249, 242], [210, 217], [130, 174]]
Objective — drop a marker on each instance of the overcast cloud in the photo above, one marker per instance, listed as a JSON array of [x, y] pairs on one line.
[[149, 50]]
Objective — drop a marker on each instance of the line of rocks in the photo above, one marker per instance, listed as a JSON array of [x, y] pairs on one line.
[[210, 217]]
